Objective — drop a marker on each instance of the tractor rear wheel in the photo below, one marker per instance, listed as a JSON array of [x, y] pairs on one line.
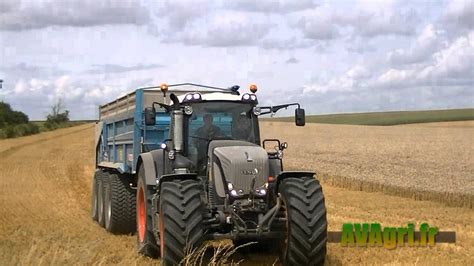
[[181, 220], [119, 200], [95, 194], [306, 224], [146, 242]]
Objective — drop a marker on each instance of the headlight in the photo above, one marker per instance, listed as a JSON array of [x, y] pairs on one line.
[[257, 111], [188, 110], [249, 97], [192, 97], [262, 191]]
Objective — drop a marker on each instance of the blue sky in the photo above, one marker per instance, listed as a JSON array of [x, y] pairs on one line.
[[332, 56]]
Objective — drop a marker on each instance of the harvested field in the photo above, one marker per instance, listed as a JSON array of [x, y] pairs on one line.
[[45, 184], [432, 161], [389, 118]]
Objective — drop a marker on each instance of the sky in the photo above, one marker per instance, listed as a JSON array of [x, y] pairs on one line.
[[330, 56]]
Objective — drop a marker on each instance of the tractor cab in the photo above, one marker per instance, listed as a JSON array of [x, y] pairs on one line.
[[207, 121]]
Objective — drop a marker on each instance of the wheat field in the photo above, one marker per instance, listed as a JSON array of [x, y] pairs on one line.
[[45, 184], [432, 161]]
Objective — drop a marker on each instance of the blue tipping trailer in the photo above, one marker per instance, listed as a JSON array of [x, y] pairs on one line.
[[121, 133]]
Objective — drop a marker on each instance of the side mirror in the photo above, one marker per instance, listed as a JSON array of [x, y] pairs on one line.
[[299, 117], [150, 116]]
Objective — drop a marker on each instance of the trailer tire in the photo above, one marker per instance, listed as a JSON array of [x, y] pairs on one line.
[[119, 205], [100, 198], [306, 225], [147, 244], [95, 195], [181, 220]]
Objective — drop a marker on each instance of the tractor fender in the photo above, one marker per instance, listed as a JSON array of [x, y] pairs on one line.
[[292, 174], [154, 165]]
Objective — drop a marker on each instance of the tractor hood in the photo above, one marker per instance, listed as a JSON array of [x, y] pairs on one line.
[[238, 165]]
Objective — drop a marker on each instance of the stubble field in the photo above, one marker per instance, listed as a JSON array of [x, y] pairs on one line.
[[45, 192]]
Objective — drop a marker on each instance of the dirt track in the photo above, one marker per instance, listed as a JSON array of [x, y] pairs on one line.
[[45, 200]]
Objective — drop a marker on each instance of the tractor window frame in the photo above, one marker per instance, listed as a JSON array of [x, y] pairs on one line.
[[247, 107]]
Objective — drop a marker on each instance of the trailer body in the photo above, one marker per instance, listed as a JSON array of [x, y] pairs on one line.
[[121, 133]]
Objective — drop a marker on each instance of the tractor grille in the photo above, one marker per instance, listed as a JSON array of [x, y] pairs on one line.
[[240, 165]]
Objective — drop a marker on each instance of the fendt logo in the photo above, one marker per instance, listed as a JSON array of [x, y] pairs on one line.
[[249, 172]]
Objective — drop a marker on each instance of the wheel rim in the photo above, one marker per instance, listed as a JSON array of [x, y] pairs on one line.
[[162, 234], [286, 239], [141, 215], [94, 199], [100, 202], [108, 205]]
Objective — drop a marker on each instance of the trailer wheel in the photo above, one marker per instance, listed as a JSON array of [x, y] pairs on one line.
[[119, 202], [181, 221], [100, 198], [306, 224], [95, 195], [146, 242]]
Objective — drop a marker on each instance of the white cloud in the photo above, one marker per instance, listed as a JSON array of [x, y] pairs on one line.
[[429, 41], [395, 77], [318, 24], [457, 60], [224, 29], [271, 6], [460, 13], [354, 78], [386, 19], [450, 66], [179, 13], [291, 60], [41, 14], [335, 56]]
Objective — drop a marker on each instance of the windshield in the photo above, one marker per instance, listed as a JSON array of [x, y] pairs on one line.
[[218, 120]]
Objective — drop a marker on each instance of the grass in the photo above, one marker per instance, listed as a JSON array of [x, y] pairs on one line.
[[35, 127], [43, 128], [388, 118], [221, 254]]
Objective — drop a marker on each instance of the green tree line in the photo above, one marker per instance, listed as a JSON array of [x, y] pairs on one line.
[[16, 124]]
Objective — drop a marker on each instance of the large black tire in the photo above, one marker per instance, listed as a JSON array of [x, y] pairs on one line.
[[147, 245], [306, 225], [119, 200], [181, 220], [95, 194], [100, 198]]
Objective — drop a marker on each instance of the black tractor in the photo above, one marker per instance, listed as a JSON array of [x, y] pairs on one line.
[[214, 178]]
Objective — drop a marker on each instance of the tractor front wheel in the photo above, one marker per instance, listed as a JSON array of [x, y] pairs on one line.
[[181, 221], [306, 225]]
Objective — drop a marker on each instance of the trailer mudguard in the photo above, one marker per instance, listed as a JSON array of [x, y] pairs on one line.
[[99, 127], [292, 174]]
